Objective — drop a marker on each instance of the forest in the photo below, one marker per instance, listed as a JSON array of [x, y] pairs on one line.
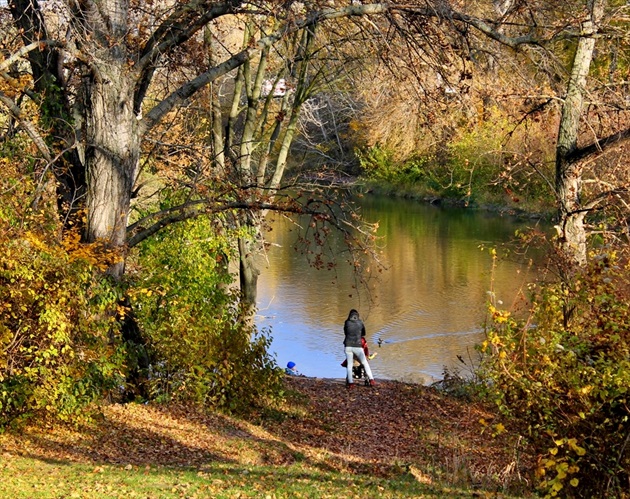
[[144, 145]]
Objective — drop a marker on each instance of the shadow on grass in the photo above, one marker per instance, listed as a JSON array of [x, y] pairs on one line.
[[365, 437]]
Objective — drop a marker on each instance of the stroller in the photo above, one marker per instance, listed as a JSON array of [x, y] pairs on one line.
[[358, 371]]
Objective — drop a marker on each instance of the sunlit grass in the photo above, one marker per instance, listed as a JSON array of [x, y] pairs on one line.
[[28, 478]]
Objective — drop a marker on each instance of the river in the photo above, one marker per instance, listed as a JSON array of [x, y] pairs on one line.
[[423, 312]]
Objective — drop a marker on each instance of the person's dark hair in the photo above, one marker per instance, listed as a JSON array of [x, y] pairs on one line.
[[353, 315]]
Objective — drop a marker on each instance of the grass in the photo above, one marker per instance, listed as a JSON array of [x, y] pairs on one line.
[[26, 478], [395, 441]]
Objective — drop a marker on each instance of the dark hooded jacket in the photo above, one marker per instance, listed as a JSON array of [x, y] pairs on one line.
[[353, 330]]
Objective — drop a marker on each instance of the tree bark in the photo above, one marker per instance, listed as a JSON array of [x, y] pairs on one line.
[[111, 157], [571, 230], [49, 81], [248, 273]]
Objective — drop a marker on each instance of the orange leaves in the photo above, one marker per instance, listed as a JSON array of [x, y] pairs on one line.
[[13, 87], [97, 254]]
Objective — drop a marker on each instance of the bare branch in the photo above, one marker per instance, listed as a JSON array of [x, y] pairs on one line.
[[141, 230], [25, 50], [27, 126], [174, 31], [599, 146], [600, 198]]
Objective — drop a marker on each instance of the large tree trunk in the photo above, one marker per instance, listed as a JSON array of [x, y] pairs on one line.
[[571, 230], [111, 158], [112, 154]]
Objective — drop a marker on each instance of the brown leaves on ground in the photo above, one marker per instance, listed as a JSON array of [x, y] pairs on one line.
[[378, 430], [406, 424]]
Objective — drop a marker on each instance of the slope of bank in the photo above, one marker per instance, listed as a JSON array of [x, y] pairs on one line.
[[394, 440]]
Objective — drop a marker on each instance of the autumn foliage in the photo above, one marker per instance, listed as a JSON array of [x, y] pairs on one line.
[[65, 342], [60, 348], [565, 371]]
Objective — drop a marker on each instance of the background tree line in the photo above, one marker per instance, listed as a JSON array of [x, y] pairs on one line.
[[144, 145]]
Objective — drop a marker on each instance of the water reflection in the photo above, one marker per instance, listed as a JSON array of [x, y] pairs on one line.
[[428, 307]]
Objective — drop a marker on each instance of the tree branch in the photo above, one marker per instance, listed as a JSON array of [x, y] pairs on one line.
[[189, 88], [139, 231], [27, 126], [599, 146], [597, 200], [26, 49], [177, 29], [167, 36]]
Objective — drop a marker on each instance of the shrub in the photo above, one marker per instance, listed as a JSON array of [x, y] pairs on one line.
[[378, 163], [200, 349], [59, 348], [421, 176], [565, 371]]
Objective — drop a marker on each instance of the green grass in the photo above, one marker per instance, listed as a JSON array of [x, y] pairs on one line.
[[28, 478]]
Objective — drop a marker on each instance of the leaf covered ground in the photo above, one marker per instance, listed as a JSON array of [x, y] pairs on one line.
[[394, 440], [398, 424]]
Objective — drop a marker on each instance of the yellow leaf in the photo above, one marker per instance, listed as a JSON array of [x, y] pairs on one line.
[[574, 482]]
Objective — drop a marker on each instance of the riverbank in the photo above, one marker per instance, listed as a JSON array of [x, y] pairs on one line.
[[396, 440], [507, 205]]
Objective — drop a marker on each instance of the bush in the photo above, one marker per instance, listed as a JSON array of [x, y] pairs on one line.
[[378, 163], [59, 348], [422, 177], [566, 372], [200, 349]]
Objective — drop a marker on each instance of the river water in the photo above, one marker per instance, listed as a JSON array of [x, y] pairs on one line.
[[423, 312]]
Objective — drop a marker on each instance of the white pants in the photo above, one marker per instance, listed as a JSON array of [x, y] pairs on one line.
[[360, 355]]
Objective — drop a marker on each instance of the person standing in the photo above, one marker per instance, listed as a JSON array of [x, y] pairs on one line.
[[354, 330]]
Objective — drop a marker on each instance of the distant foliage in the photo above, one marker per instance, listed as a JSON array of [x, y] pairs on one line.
[[476, 167], [378, 163], [200, 351], [59, 348], [492, 161], [566, 372]]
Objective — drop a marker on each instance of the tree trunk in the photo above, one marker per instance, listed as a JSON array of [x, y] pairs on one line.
[[571, 230], [248, 272], [111, 158]]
